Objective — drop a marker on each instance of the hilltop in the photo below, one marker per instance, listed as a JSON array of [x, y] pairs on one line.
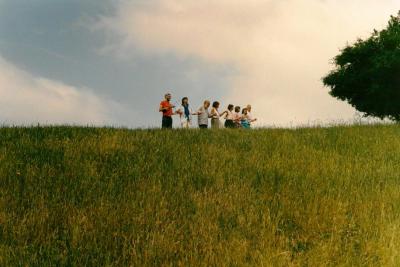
[[275, 197]]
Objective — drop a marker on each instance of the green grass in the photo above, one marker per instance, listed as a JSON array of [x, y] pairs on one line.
[[113, 197]]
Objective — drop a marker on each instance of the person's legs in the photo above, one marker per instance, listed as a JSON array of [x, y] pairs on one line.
[[229, 124], [186, 124], [167, 122], [164, 123], [203, 126], [215, 123]]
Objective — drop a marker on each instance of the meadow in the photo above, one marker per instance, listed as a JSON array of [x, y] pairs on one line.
[[73, 196]]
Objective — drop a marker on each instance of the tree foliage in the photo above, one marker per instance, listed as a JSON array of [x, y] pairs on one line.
[[367, 73]]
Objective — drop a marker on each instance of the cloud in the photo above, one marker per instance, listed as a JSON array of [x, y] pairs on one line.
[[280, 49], [26, 99]]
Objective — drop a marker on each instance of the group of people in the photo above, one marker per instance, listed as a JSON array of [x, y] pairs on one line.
[[234, 116]]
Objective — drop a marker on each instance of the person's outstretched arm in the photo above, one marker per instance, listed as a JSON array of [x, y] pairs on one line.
[[213, 113]]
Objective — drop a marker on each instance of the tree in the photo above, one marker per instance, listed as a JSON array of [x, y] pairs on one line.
[[367, 73]]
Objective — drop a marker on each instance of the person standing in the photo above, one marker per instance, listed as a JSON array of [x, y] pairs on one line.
[[203, 115], [215, 115], [185, 114], [237, 117], [245, 122], [250, 117], [228, 116], [167, 111]]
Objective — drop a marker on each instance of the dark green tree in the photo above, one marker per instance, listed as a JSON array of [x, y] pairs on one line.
[[367, 73]]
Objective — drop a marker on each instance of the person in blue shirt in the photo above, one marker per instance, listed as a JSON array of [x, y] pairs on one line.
[[245, 122]]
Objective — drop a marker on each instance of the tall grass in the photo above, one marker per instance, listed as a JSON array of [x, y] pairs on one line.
[[108, 197]]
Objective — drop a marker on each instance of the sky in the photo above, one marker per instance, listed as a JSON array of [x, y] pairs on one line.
[[109, 62]]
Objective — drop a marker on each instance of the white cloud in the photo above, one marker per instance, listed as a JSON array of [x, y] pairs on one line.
[[26, 99], [281, 48]]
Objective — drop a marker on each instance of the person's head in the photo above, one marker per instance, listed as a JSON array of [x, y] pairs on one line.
[[215, 104], [244, 111], [185, 101], [206, 104], [230, 107], [237, 109], [168, 96], [248, 108]]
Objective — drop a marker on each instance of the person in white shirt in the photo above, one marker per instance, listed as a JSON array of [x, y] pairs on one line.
[[185, 114], [250, 117], [228, 116], [237, 117], [204, 115]]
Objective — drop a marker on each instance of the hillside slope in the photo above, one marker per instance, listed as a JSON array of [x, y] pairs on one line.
[[108, 197]]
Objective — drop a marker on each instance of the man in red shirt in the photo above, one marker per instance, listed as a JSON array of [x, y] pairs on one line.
[[167, 110]]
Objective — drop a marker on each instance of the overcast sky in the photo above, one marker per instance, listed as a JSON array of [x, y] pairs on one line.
[[104, 62]]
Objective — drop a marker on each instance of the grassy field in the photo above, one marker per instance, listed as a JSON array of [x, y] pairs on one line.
[[113, 197]]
